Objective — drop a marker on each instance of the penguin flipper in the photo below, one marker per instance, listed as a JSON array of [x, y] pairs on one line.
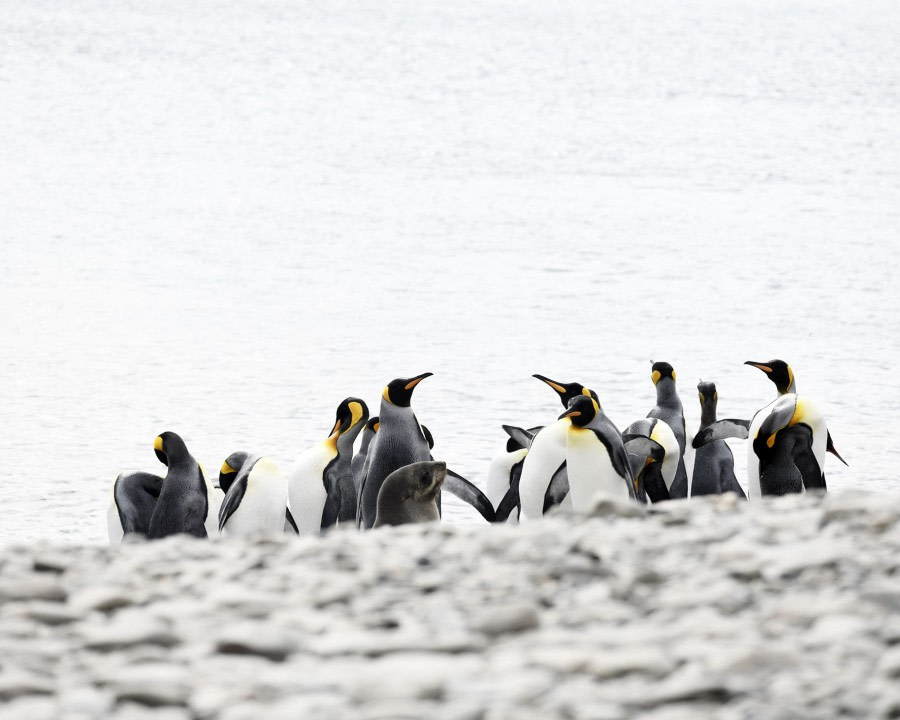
[[558, 488], [509, 502], [829, 447], [722, 429], [332, 507], [289, 521], [521, 437], [457, 485], [654, 484], [232, 501]]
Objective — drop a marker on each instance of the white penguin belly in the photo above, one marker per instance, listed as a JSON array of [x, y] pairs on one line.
[[214, 497], [306, 488], [547, 453], [498, 473], [664, 435], [113, 523], [263, 504], [590, 470]]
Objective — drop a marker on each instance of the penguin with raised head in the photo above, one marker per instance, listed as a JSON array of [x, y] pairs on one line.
[[782, 376], [670, 410], [399, 441], [785, 447], [183, 503], [714, 461], [657, 477], [133, 500], [314, 483], [544, 471], [595, 455], [255, 497], [343, 468]]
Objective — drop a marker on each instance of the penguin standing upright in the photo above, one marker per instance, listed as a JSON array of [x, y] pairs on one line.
[[595, 455], [820, 442], [343, 468], [781, 374], [713, 462], [314, 486], [505, 471], [399, 441], [358, 463], [544, 471], [183, 504], [670, 410], [256, 497]]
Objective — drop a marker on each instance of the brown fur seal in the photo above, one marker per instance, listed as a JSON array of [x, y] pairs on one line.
[[409, 494]]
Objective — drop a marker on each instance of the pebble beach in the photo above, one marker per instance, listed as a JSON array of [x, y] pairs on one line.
[[717, 608]]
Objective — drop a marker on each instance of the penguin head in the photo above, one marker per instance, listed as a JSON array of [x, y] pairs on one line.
[[786, 413], [581, 410], [169, 447], [372, 424], [349, 414], [399, 392], [230, 467], [708, 393], [779, 372], [661, 370], [567, 391]]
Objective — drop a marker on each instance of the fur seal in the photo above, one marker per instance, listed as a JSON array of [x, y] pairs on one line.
[[409, 494]]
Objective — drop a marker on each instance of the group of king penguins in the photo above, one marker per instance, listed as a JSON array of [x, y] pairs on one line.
[[393, 479]]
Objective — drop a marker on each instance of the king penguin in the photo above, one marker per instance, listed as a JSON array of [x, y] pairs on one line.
[[658, 477], [255, 498], [544, 471], [714, 461], [781, 374], [670, 410], [786, 447], [399, 441], [343, 468], [314, 486], [133, 500], [183, 503], [505, 471], [595, 456], [358, 463]]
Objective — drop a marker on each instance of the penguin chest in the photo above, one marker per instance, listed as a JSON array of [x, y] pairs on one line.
[[306, 488], [547, 453], [591, 470], [499, 473], [263, 504], [664, 435]]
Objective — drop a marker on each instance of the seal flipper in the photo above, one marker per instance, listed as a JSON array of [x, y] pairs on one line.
[[829, 447], [457, 485], [721, 430], [557, 488]]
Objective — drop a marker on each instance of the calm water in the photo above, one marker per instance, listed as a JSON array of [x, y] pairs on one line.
[[223, 220]]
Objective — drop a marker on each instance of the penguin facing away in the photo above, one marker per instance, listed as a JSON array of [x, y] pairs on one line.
[[183, 505], [398, 442], [314, 488], [713, 462], [505, 471], [644, 456], [595, 455], [256, 497], [343, 468]]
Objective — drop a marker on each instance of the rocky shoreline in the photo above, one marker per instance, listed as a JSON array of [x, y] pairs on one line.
[[708, 608]]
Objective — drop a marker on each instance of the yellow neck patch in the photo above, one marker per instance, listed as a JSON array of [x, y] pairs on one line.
[[227, 469], [158, 443], [656, 376], [386, 394]]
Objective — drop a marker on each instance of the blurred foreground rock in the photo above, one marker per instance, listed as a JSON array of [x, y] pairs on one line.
[[713, 608]]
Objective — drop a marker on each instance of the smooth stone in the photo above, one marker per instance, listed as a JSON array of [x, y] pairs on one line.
[[515, 617], [15, 683], [254, 639], [151, 684], [126, 632], [137, 711], [35, 587], [30, 708]]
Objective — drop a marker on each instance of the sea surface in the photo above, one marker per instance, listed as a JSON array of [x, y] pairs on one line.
[[221, 218]]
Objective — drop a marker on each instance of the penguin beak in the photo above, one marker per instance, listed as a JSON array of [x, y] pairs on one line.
[[761, 366], [337, 426], [416, 380], [552, 383], [570, 414]]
